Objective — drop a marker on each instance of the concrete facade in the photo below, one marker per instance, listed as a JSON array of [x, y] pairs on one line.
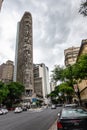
[[71, 55], [1, 3], [1, 70], [52, 85], [23, 71], [83, 84], [41, 80], [6, 71]]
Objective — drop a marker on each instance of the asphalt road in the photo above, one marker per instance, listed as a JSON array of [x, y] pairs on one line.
[[29, 120]]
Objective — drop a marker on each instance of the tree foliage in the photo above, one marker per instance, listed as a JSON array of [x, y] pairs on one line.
[[70, 76], [83, 8], [63, 74], [53, 94], [66, 89], [3, 91], [57, 73], [80, 68], [15, 92], [16, 89], [72, 72]]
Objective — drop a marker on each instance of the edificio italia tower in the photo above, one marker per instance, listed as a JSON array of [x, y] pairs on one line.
[[23, 71]]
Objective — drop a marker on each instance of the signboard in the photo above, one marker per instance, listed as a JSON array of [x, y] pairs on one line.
[[34, 99]]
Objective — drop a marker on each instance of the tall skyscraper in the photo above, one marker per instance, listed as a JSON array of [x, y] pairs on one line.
[[1, 3], [23, 71]]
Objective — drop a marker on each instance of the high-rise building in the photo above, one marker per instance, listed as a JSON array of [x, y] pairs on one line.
[[6, 71], [83, 48], [23, 71], [71, 55], [53, 85], [41, 80], [1, 3], [1, 70]]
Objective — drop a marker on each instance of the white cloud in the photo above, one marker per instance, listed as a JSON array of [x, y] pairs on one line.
[[56, 26]]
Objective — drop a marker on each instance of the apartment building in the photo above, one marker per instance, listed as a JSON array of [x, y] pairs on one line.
[[1, 70], [71, 55], [6, 71], [41, 80]]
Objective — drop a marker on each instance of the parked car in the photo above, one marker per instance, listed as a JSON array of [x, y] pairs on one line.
[[53, 106], [24, 108], [18, 110], [1, 113], [4, 110], [72, 119]]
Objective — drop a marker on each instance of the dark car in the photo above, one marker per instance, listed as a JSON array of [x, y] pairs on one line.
[[72, 119], [24, 108]]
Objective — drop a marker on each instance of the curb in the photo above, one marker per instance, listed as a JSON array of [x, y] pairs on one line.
[[54, 126]]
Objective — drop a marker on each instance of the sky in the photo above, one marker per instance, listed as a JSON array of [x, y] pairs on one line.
[[57, 25]]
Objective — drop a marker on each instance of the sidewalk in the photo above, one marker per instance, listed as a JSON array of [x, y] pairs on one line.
[[54, 126]]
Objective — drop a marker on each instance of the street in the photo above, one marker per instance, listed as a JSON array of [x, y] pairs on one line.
[[29, 120]]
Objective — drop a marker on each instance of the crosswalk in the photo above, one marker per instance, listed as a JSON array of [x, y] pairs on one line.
[[36, 110]]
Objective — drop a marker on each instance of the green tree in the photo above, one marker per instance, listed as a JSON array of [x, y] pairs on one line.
[[83, 8], [69, 75], [53, 94], [3, 92], [67, 92], [80, 71], [63, 74], [15, 92], [57, 73], [66, 89], [80, 68]]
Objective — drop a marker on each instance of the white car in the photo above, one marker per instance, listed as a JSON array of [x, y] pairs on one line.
[[53, 106], [4, 110], [18, 110], [1, 113]]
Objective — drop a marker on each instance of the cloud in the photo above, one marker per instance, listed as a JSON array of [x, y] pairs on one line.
[[56, 26]]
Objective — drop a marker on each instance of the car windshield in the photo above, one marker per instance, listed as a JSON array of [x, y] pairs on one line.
[[66, 113]]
